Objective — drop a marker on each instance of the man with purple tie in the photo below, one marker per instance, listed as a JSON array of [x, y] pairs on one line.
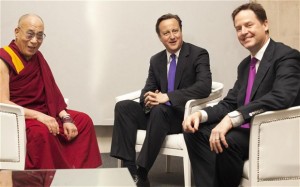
[[268, 79], [177, 74]]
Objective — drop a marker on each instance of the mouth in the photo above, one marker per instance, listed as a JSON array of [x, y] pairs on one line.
[[247, 38], [31, 47], [173, 42]]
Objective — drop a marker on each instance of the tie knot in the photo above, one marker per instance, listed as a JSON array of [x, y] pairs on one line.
[[253, 62], [173, 56]]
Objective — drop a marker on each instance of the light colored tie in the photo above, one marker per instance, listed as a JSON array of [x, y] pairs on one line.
[[171, 74], [251, 77]]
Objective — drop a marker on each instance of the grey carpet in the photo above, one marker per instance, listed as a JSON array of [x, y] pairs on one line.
[[157, 175]]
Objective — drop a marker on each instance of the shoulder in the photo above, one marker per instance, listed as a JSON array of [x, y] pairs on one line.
[[156, 58], [193, 48], [280, 50]]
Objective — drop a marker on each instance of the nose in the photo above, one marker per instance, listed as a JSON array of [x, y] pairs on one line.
[[172, 36], [34, 39], [244, 30]]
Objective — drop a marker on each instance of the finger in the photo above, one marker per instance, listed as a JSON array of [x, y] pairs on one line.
[[219, 146], [188, 126], [224, 142], [152, 99], [146, 99], [215, 146], [57, 127], [66, 132], [76, 133], [53, 129], [50, 130], [196, 124], [149, 94], [211, 146], [148, 103], [154, 103], [146, 94], [216, 140], [211, 141]]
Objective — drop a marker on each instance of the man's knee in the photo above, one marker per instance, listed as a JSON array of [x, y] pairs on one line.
[[125, 105], [39, 132], [159, 111]]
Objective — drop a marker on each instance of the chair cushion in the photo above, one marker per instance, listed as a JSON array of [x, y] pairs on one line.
[[174, 141], [9, 137], [246, 170]]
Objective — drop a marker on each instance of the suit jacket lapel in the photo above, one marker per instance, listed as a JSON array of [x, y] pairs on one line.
[[263, 68], [163, 72], [244, 78], [184, 52]]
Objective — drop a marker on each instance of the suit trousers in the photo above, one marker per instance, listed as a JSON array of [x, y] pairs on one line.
[[129, 117], [218, 170]]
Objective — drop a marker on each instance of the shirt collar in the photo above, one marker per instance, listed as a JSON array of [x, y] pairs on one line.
[[169, 55], [262, 50]]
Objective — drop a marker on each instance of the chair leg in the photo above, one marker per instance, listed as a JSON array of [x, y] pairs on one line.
[[120, 163], [187, 171], [168, 163]]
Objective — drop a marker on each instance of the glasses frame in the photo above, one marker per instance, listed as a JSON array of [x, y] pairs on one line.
[[30, 36]]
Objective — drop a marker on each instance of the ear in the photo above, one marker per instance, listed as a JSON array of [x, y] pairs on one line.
[[17, 30], [159, 37], [266, 25]]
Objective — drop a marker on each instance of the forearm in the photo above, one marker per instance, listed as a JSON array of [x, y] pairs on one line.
[[63, 113], [31, 114]]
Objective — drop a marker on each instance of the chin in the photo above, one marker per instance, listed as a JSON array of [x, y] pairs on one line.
[[248, 45], [174, 49]]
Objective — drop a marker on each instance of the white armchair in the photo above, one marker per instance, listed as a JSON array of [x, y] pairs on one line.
[[274, 153], [12, 137], [174, 144]]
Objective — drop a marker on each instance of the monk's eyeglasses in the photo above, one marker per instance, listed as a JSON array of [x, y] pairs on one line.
[[30, 35]]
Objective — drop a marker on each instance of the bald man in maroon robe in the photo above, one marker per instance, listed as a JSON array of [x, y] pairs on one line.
[[57, 137]]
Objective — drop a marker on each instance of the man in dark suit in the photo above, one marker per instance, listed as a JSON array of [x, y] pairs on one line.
[[161, 106], [219, 145]]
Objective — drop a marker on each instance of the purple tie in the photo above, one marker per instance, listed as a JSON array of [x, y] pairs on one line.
[[251, 77], [171, 74]]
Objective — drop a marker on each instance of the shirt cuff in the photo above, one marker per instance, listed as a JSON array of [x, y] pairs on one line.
[[236, 118], [204, 116]]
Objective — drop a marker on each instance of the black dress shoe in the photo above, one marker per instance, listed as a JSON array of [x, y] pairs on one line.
[[141, 182]]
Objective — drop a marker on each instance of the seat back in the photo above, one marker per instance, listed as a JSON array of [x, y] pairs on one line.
[[274, 153], [12, 137]]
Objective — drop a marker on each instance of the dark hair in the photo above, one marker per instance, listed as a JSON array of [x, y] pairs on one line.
[[258, 10], [165, 17]]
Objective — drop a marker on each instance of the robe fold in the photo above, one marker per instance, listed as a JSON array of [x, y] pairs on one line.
[[33, 178], [32, 85]]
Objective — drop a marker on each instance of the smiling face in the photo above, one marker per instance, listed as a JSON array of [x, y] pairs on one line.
[[251, 32], [170, 35], [29, 35]]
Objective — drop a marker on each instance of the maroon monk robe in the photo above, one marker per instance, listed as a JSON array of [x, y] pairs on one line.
[[34, 87], [33, 178]]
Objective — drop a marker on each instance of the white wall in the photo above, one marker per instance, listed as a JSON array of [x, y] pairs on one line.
[[100, 49]]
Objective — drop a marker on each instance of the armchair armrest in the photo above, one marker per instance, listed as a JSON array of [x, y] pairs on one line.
[[12, 137], [196, 104], [135, 96], [274, 153]]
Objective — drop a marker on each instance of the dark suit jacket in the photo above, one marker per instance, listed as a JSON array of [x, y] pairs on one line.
[[276, 85], [192, 79]]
